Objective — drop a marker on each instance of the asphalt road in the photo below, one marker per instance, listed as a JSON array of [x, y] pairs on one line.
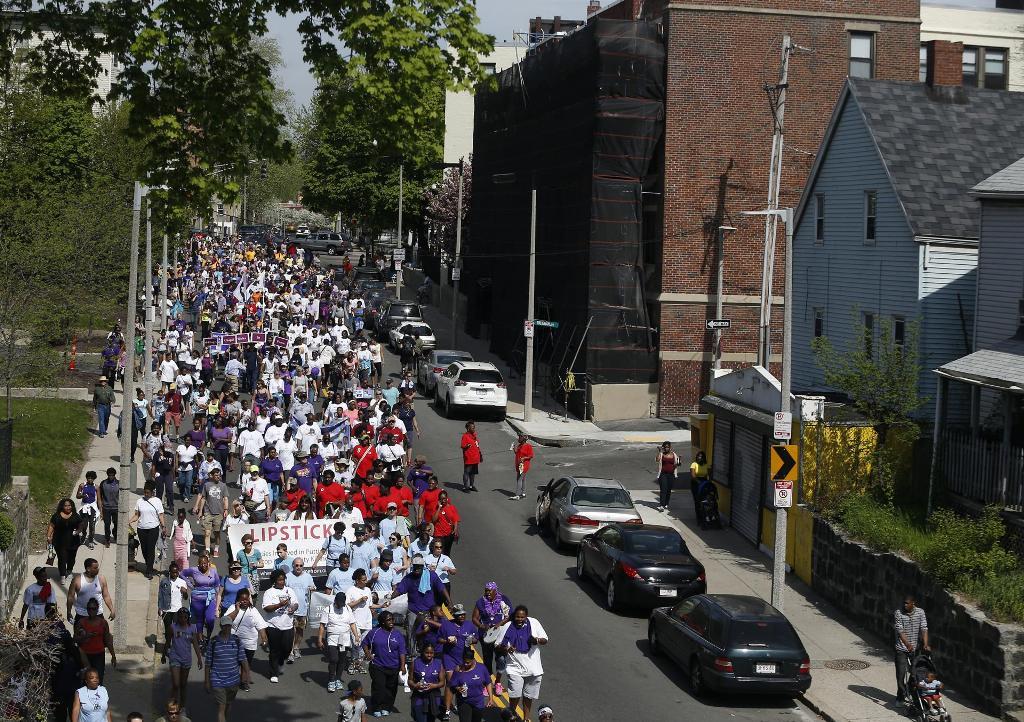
[[597, 665]]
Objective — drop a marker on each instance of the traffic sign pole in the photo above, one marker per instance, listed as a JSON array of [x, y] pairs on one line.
[[779, 562]]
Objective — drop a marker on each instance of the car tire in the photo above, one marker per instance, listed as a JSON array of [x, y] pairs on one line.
[[697, 686], [332, 250], [652, 639], [611, 596], [581, 565]]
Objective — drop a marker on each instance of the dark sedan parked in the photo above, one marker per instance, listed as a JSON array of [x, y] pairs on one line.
[[732, 643], [640, 565]]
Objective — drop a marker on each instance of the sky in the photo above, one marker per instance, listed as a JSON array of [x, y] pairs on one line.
[[500, 18], [497, 17]]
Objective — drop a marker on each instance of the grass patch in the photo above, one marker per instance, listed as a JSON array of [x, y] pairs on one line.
[[962, 554], [50, 439]]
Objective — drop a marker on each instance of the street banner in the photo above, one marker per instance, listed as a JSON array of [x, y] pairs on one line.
[[304, 538]]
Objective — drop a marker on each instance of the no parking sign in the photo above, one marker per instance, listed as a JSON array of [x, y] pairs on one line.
[[783, 494]]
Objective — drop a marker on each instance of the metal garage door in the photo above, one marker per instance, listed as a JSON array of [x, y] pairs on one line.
[[747, 482], [720, 456]]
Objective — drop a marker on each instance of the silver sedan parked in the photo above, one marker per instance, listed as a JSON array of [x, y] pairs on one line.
[[571, 507], [433, 365]]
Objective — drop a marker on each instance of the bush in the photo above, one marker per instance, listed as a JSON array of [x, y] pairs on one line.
[[964, 550], [1001, 598], [6, 532], [880, 526]]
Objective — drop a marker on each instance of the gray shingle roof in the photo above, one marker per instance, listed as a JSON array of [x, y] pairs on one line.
[[938, 143], [1001, 366], [1009, 180]]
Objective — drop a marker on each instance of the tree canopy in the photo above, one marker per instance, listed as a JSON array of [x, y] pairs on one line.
[[200, 92]]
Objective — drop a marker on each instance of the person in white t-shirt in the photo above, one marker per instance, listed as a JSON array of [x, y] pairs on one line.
[[250, 444], [173, 595], [521, 639], [185, 467], [248, 624], [256, 491], [338, 638], [168, 371], [279, 603], [149, 515], [360, 600]]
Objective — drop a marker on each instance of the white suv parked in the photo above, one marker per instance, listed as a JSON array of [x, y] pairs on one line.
[[466, 384]]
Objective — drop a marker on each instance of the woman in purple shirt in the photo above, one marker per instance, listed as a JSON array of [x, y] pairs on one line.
[[428, 679], [220, 439], [469, 687], [490, 613], [203, 584], [457, 635], [183, 641]]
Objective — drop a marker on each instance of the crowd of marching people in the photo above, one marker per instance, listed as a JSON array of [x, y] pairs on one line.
[[270, 405]]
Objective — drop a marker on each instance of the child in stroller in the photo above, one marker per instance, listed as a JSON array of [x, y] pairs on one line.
[[929, 698], [707, 504]]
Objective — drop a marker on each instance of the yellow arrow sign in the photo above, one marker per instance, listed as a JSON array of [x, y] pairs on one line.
[[783, 462]]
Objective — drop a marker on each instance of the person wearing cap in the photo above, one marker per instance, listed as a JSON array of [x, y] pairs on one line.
[[456, 635], [272, 469], [256, 495], [231, 585], [337, 638], [364, 552], [351, 515], [546, 714], [302, 472], [102, 401], [385, 648], [521, 640], [424, 589], [438, 561], [490, 613], [275, 431], [226, 667], [469, 689], [392, 523]]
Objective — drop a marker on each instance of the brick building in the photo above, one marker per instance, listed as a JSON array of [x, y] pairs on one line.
[[718, 136], [715, 154]]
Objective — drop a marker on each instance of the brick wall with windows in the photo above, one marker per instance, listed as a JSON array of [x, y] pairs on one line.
[[718, 147]]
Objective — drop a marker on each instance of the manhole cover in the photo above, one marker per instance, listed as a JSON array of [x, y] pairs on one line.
[[846, 665]]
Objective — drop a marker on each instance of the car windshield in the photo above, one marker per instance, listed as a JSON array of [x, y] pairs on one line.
[[480, 376], [754, 633], [607, 496], [649, 541], [445, 360]]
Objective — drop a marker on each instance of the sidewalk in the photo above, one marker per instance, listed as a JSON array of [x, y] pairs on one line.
[[131, 685], [549, 424], [853, 673]]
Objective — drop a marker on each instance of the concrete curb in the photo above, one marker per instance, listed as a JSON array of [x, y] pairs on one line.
[[558, 441], [822, 710]]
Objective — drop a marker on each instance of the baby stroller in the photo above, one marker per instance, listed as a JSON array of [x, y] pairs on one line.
[[707, 505], [920, 666]]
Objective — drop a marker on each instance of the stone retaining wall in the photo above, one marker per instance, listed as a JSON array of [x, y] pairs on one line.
[[981, 659], [12, 561], [70, 394]]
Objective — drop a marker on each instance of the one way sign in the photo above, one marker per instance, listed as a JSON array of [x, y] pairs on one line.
[[713, 324], [783, 462]]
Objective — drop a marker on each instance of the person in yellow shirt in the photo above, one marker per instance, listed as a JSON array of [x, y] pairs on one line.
[[698, 474]]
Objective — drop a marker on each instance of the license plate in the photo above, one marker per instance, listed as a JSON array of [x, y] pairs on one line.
[[482, 391], [667, 592], [764, 668]]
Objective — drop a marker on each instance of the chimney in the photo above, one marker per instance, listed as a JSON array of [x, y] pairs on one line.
[[593, 8], [945, 63]]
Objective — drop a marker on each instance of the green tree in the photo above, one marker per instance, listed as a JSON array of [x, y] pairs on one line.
[[200, 92], [350, 170], [881, 379]]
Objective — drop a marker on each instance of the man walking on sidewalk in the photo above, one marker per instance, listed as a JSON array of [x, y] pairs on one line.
[[102, 401], [911, 628], [226, 667]]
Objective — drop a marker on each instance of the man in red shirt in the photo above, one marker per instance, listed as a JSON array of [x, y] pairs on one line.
[[401, 494], [363, 456], [428, 501], [294, 494], [523, 452], [390, 434], [358, 498], [329, 492]]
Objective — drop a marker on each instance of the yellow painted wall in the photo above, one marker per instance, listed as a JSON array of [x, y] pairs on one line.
[[834, 459], [799, 538]]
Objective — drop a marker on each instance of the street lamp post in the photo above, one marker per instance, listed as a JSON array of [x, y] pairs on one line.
[[401, 241], [779, 561]]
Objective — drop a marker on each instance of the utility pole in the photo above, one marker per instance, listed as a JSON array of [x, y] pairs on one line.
[[722, 230], [785, 405], [457, 265], [771, 221], [245, 193], [123, 495], [528, 393], [401, 241], [163, 289], [147, 357]]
